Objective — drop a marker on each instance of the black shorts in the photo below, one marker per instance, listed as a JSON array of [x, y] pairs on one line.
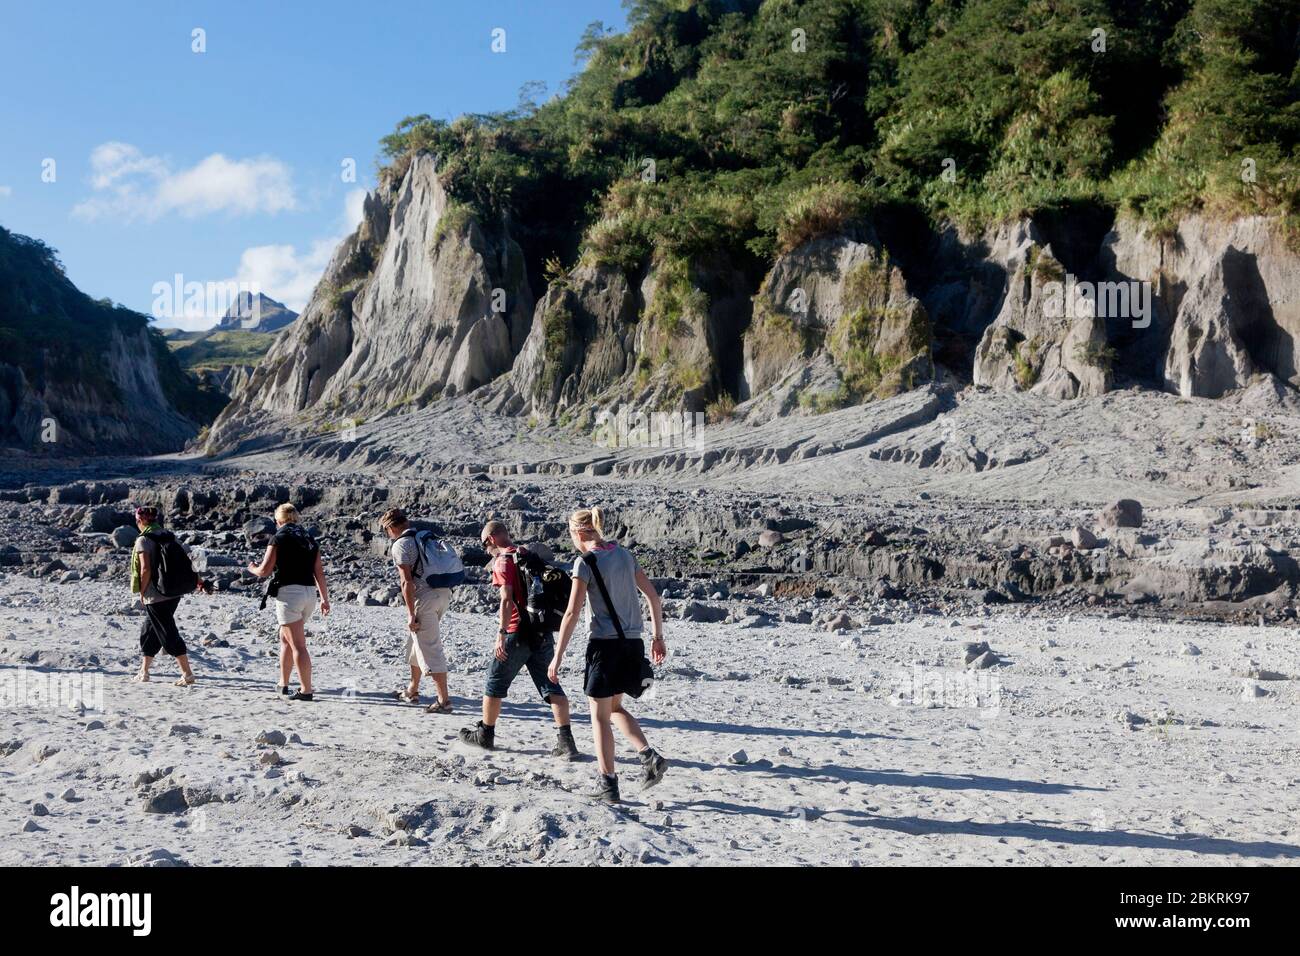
[[159, 631], [616, 665]]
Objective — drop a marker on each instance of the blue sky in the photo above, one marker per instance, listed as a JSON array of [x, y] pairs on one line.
[[227, 164]]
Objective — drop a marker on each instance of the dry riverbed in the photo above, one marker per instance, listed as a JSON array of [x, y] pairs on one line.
[[1092, 740]]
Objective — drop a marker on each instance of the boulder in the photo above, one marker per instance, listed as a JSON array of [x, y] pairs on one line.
[[124, 537], [100, 519], [703, 613], [1125, 513], [258, 532], [1083, 539]]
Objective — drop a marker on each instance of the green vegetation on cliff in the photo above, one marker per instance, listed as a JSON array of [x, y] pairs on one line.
[[220, 349], [748, 127], [61, 338]]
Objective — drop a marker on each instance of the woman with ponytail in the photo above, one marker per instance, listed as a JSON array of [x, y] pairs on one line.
[[616, 658]]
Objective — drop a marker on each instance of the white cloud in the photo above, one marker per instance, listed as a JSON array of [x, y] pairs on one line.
[[279, 271], [353, 209], [284, 274], [130, 185], [5, 192]]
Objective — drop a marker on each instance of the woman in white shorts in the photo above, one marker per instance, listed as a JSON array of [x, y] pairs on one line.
[[294, 557]]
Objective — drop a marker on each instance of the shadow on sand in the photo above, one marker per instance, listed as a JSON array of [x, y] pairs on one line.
[[1025, 830]]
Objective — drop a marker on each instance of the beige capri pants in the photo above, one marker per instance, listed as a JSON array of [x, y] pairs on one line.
[[424, 647]]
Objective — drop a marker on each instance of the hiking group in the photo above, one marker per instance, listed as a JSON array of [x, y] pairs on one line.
[[540, 604]]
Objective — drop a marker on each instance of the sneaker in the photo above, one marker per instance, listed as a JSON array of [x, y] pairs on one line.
[[299, 695], [480, 735], [283, 689], [565, 746], [606, 789], [653, 768]]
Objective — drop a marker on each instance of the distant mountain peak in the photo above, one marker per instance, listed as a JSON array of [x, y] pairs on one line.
[[255, 312]]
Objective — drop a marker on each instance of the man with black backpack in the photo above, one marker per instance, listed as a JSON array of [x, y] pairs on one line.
[[428, 569], [161, 573], [533, 598]]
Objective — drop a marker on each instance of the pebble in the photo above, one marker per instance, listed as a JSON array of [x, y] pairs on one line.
[[739, 757]]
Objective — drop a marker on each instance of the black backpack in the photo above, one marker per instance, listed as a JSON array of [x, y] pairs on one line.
[[547, 588], [173, 574]]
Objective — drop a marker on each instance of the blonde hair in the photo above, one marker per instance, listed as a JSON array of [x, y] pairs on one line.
[[491, 528], [588, 522], [286, 514]]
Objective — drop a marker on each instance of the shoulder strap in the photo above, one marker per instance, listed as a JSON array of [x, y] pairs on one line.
[[417, 569], [525, 622], [590, 560]]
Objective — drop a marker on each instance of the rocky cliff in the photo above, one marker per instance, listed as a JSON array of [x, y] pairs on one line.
[[421, 302], [256, 313], [79, 376]]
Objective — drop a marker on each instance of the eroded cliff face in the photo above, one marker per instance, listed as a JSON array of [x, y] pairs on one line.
[[1043, 339], [834, 324], [1226, 303], [80, 376], [423, 303], [668, 338], [420, 303], [124, 410]]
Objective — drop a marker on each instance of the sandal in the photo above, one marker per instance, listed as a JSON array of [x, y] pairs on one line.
[[407, 696], [140, 678], [439, 707], [183, 681]]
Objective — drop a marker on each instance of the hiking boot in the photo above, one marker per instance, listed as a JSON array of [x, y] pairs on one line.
[[606, 789], [480, 735], [565, 746], [653, 767]]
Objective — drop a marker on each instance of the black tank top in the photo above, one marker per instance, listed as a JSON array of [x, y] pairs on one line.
[[295, 556]]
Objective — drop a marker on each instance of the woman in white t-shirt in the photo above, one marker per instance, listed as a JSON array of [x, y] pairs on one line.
[[608, 575]]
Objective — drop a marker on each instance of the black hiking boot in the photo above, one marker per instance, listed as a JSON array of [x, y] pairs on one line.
[[653, 767], [480, 735], [606, 789], [565, 746]]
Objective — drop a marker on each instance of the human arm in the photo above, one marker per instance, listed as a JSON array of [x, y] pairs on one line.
[[407, 575], [658, 650], [146, 571], [267, 565], [503, 621], [577, 598], [318, 572]]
